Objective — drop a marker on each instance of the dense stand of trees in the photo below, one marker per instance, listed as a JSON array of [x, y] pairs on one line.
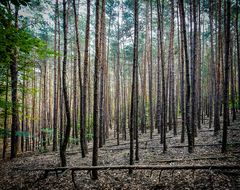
[[101, 69]]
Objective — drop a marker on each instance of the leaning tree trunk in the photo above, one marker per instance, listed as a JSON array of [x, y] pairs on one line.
[[64, 86]]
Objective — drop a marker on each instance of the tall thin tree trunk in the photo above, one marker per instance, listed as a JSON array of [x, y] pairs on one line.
[[150, 75], [212, 70], [199, 72], [217, 100], [231, 57], [55, 106], [194, 61], [33, 110], [158, 110], [64, 86], [183, 31], [44, 107], [27, 120], [14, 86], [164, 108], [118, 79], [85, 84], [5, 117], [181, 57], [134, 98], [226, 77], [238, 52], [23, 111], [102, 79], [96, 98]]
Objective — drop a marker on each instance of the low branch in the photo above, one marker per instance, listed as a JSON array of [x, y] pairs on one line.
[[160, 146], [137, 167], [199, 158]]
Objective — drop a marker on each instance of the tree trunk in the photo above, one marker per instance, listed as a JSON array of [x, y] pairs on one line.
[[118, 80], [164, 108], [158, 111], [211, 68], [5, 118], [64, 86], [172, 121], [96, 98], [150, 75], [183, 31], [217, 100], [226, 77], [84, 85], [14, 84], [194, 61], [27, 118], [181, 57], [102, 79], [33, 110], [238, 52], [233, 110], [55, 106], [23, 112], [134, 98], [44, 107]]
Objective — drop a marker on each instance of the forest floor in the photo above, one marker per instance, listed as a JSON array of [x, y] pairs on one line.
[[150, 154]]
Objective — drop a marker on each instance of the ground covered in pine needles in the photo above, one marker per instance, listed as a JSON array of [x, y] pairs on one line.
[[150, 154]]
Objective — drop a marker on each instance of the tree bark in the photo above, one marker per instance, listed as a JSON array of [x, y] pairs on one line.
[[14, 87], [183, 31], [5, 117], [55, 106], [226, 77], [134, 96], [96, 98], [64, 86], [194, 61], [85, 84], [238, 52]]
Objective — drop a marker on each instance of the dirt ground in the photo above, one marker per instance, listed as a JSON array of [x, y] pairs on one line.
[[150, 154]]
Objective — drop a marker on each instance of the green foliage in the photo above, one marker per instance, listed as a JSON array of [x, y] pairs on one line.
[[6, 132], [47, 130], [73, 140], [16, 2], [89, 128], [4, 104], [22, 134], [41, 149], [89, 136]]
